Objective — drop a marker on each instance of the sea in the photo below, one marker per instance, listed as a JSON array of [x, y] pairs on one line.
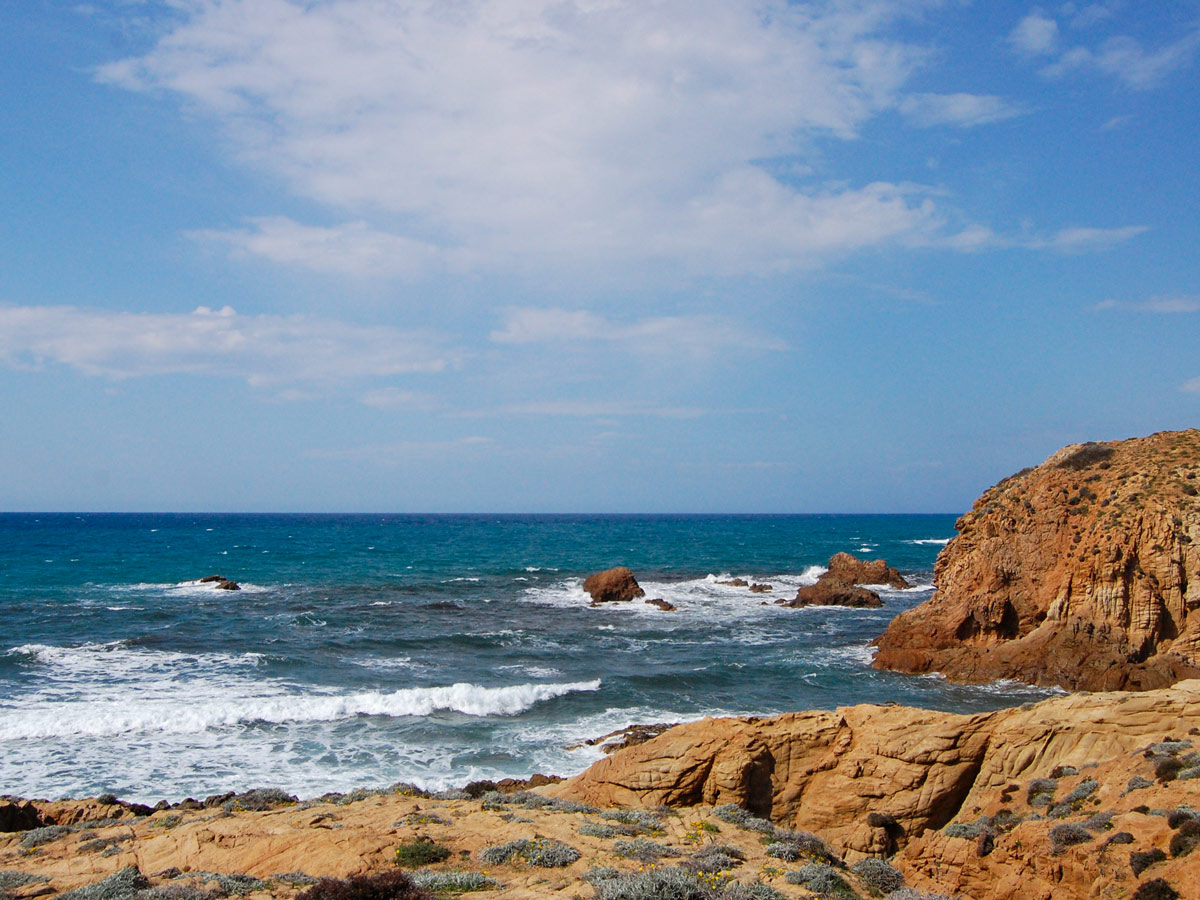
[[364, 650]]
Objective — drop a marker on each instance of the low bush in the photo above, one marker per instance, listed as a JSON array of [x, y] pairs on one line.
[[1141, 860], [454, 882], [1168, 768], [420, 851], [548, 854], [742, 818], [122, 885], [809, 844], [1137, 783], [393, 885], [880, 875], [258, 800], [593, 829], [754, 891], [597, 874], [643, 850], [9, 878], [1082, 791], [35, 837], [1185, 840], [1063, 771], [660, 884], [1155, 889], [1121, 837], [785, 850], [819, 877], [1063, 836], [1041, 791]]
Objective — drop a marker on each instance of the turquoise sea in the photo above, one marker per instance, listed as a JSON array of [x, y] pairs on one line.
[[368, 649]]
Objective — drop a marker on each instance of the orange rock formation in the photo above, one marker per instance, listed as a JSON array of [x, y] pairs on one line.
[[1083, 572]]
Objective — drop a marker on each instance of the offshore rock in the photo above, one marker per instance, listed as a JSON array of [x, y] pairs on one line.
[[1083, 572], [613, 586], [833, 592], [849, 568]]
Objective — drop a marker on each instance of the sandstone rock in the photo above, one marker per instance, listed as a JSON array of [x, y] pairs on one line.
[[1083, 572], [228, 586], [915, 770], [832, 592], [761, 588], [735, 582], [613, 586], [849, 568], [220, 582], [662, 604]]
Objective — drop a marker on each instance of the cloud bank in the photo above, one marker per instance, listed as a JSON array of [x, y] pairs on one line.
[[540, 132]]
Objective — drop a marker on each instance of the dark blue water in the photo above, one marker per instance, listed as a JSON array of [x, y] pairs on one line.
[[363, 650]]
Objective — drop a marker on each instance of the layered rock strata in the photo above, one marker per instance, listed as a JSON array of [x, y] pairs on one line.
[[1083, 572]]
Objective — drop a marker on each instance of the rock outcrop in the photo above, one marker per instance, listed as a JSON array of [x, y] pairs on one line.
[[1083, 572], [849, 568], [873, 777], [613, 586], [831, 592], [841, 584]]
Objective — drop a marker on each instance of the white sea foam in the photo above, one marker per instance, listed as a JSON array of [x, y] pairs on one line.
[[185, 712], [941, 541]]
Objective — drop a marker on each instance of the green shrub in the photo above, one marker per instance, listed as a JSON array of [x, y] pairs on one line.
[[35, 837], [420, 851], [643, 850], [122, 885]]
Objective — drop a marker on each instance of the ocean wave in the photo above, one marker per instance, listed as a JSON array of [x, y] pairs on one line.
[[181, 715], [941, 541]]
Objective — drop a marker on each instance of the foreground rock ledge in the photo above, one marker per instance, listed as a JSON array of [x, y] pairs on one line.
[[1083, 572], [869, 780]]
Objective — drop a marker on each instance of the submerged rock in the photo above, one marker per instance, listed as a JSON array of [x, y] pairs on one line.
[[220, 582], [661, 604]]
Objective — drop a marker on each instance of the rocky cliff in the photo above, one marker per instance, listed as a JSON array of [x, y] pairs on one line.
[[1083, 572]]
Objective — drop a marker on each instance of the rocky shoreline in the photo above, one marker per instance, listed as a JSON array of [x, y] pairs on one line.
[[1088, 795], [1082, 572]]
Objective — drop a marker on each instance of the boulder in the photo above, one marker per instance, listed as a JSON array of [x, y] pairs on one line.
[[220, 582], [613, 586], [735, 582], [760, 588], [849, 568], [833, 592], [662, 604]]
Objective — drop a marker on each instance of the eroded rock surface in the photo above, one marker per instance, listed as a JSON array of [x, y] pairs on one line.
[[1083, 572]]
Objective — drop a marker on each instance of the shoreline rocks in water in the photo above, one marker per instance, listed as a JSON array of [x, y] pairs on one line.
[[615, 585], [1082, 572], [841, 584], [220, 582]]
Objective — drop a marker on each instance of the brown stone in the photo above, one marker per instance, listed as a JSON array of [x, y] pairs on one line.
[[832, 592], [735, 582], [760, 588], [662, 604], [1083, 572], [613, 586], [849, 568]]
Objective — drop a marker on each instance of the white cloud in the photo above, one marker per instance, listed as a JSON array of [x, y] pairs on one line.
[[1082, 240], [265, 350], [1118, 55], [963, 110], [1192, 386], [1169, 305], [700, 334], [353, 248], [588, 409], [513, 132], [1035, 34]]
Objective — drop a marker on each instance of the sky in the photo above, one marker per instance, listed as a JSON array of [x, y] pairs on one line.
[[588, 255]]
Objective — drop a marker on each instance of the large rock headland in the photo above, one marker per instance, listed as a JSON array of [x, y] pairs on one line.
[[1082, 572]]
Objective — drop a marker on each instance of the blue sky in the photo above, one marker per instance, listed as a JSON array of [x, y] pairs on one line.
[[588, 255]]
